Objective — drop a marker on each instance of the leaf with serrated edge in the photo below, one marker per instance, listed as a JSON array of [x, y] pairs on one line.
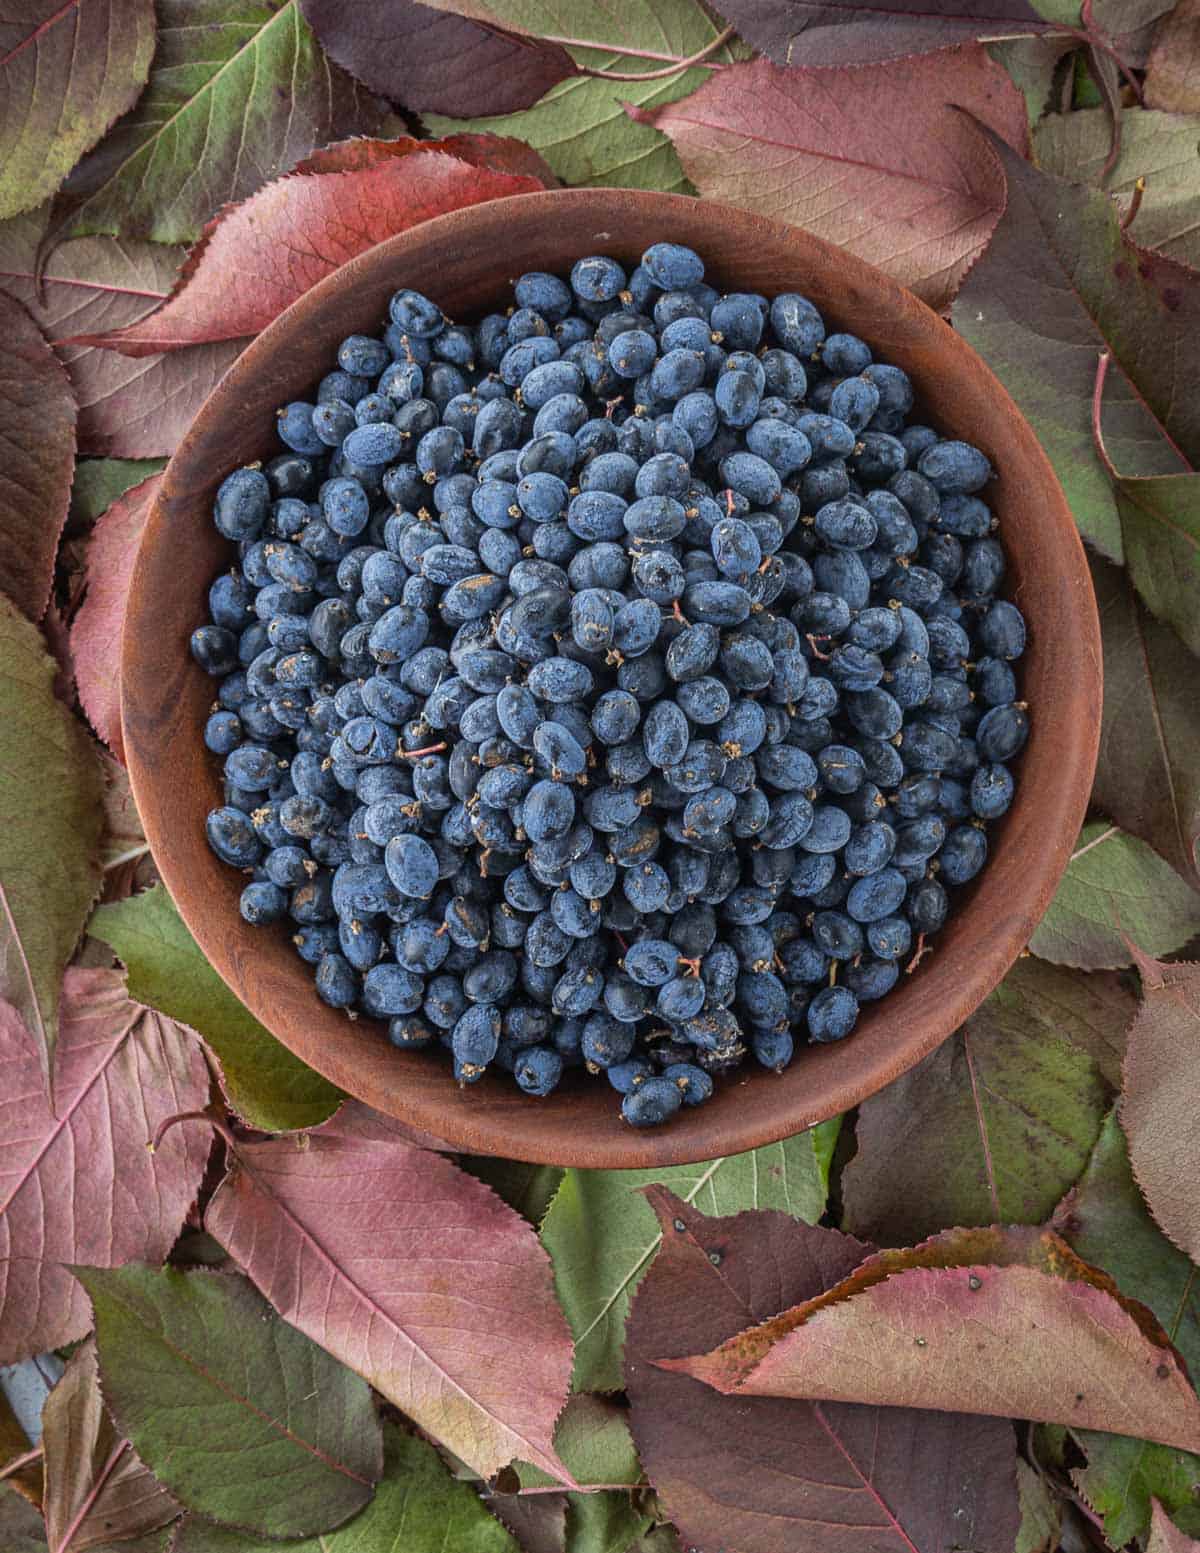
[[1166, 1537], [239, 1415], [98, 1491], [1173, 69], [602, 1235], [37, 432], [66, 73], [947, 1326], [992, 1127], [414, 1274], [99, 481], [119, 1071], [239, 91], [50, 821], [1115, 888], [763, 1474], [265, 1084], [911, 186]]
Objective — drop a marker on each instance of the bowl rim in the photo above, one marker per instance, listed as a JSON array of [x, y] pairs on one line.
[[483, 1129]]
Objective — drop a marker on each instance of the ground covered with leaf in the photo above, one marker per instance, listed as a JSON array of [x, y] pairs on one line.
[[965, 1316]]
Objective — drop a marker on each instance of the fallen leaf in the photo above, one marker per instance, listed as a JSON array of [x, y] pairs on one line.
[[414, 1274], [539, 1523], [1160, 530], [1159, 147], [1058, 284], [947, 1325], [1115, 888], [120, 1070], [435, 60], [909, 186], [1032, 62], [98, 1491], [1173, 69], [1161, 1068], [49, 830], [37, 430], [993, 1126], [21, 1527], [602, 1234], [603, 1523], [66, 73], [258, 259], [760, 1474], [592, 1437], [99, 481], [528, 1188], [264, 1083], [1041, 1512], [235, 1412], [239, 90], [1123, 1475], [1166, 1537], [14, 1443], [123, 847]]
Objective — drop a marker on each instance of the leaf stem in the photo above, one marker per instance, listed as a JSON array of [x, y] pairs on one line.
[[1135, 204], [18, 1462], [1102, 362], [218, 1124], [672, 67]]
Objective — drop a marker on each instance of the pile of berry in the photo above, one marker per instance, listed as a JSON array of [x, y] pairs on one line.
[[621, 682]]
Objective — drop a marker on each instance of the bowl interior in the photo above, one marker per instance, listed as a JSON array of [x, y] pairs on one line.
[[466, 261]]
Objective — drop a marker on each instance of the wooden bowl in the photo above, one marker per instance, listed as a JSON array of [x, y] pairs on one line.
[[466, 261]]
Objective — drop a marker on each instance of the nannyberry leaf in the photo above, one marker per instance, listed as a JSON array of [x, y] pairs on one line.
[[49, 831], [21, 1527], [78, 1183], [1159, 147], [124, 849], [100, 481], [528, 1188], [1041, 1512], [1104, 1219], [411, 1272], [235, 1412], [911, 185], [264, 1083], [537, 1521], [239, 90], [433, 60], [1115, 889], [947, 1326], [1160, 529], [761, 1474], [1032, 62], [1148, 772], [98, 1490], [1166, 1536], [995, 1125], [66, 72], [96, 632], [1173, 68], [1058, 284], [259, 257], [602, 1235], [37, 432]]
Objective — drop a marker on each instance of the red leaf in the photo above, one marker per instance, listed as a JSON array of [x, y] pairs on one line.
[[82, 1186], [37, 434], [258, 257], [1158, 1109], [1165, 1536], [760, 1474], [96, 632], [1173, 69], [434, 61], [951, 1324], [412, 1273], [872, 158]]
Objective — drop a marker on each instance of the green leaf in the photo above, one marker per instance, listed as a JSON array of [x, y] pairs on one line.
[[592, 1436], [50, 823], [602, 1235], [603, 1523], [239, 91], [1115, 886], [418, 1508], [1124, 1474], [99, 481], [265, 1084], [1160, 527], [525, 1187], [1031, 62], [243, 1418], [1041, 1512]]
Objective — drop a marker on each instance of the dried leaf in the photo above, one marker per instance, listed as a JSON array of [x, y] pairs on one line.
[[433, 60], [1157, 1111], [762, 1474], [37, 432], [411, 1272], [49, 830], [258, 258], [909, 186], [1058, 284], [1173, 69], [97, 1489], [238, 91], [67, 71], [1041, 1512], [602, 1235], [238, 1414], [120, 1071], [994, 1126], [96, 632], [947, 1325], [264, 1083]]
